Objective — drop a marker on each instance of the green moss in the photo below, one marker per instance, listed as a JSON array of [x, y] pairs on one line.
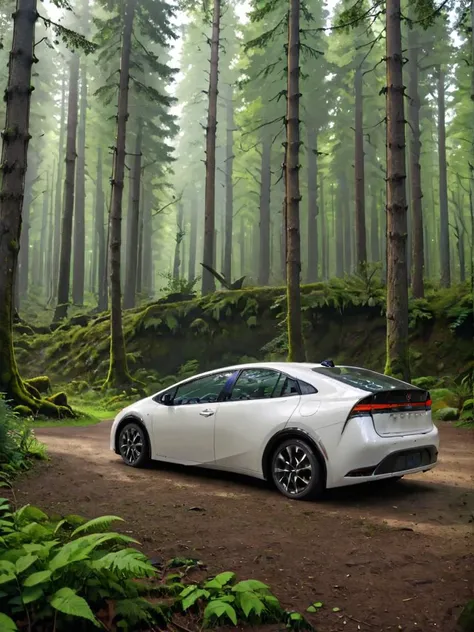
[[447, 414], [41, 383], [60, 399], [426, 383], [23, 411]]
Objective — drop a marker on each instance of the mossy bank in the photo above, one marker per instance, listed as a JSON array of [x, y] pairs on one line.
[[343, 321]]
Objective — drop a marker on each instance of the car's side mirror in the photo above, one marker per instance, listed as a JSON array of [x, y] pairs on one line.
[[167, 399]]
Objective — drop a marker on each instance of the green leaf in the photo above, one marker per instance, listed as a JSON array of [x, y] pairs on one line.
[[97, 524], [31, 594], [7, 571], [59, 525], [221, 580], [67, 601], [250, 585], [249, 602], [217, 609], [315, 606], [336, 609], [29, 513], [25, 562], [37, 578], [190, 599], [7, 624]]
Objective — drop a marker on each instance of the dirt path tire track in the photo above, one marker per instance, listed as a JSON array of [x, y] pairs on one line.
[[401, 555]]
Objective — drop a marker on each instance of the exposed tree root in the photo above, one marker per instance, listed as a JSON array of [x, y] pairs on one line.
[[26, 400]]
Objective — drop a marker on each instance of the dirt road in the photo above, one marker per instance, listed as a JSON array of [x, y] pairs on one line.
[[399, 558]]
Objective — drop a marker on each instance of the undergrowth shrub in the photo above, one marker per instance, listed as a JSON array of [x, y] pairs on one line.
[[18, 444], [71, 574]]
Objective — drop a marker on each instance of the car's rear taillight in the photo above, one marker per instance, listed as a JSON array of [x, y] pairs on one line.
[[392, 401]]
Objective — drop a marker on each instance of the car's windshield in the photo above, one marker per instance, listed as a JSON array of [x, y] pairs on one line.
[[362, 378]]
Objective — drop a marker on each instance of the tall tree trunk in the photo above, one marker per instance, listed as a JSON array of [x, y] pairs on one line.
[[43, 253], [359, 164], [312, 230], [397, 363], [147, 285], [118, 375], [418, 256], [100, 232], [324, 235], [140, 243], [192, 237], [49, 246], [264, 224], [208, 282], [78, 272], [58, 196], [242, 247], [13, 168], [340, 224], [444, 256], [24, 257], [178, 240], [348, 233], [130, 290], [374, 228], [229, 187], [66, 232], [296, 351]]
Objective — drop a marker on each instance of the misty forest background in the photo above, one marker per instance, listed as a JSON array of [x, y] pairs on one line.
[[179, 209]]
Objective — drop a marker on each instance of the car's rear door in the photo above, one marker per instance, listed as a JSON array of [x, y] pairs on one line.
[[183, 430], [261, 402]]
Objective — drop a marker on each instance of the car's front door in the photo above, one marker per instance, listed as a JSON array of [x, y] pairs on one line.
[[261, 402], [183, 423]]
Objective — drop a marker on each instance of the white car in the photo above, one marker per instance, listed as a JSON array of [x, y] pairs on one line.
[[303, 427]]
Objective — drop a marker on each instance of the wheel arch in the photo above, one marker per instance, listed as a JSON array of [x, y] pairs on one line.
[[123, 422], [283, 435]]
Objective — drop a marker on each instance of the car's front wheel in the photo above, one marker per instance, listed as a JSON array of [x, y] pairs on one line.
[[296, 471], [133, 445]]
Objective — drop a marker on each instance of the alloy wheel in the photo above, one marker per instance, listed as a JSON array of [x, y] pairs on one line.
[[292, 469], [131, 444]]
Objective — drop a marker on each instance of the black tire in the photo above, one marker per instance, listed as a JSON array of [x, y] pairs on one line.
[[133, 445], [285, 458]]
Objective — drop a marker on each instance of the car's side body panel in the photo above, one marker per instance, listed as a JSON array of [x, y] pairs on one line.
[[244, 427]]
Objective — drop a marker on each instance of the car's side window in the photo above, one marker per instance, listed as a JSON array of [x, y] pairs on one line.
[[255, 384], [307, 389], [204, 390]]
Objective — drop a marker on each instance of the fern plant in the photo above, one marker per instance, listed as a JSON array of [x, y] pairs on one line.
[[62, 574]]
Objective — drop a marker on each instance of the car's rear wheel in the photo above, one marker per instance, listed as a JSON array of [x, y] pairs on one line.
[[133, 445], [296, 471]]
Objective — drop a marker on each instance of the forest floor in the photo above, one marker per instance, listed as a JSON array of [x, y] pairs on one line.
[[391, 558]]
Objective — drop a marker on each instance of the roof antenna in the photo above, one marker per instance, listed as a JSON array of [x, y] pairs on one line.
[[328, 363]]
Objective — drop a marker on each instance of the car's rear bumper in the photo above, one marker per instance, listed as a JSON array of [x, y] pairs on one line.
[[363, 456]]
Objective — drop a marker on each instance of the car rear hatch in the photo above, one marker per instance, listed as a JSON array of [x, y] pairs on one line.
[[397, 412]]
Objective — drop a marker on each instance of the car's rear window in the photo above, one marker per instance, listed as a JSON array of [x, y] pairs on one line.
[[362, 378]]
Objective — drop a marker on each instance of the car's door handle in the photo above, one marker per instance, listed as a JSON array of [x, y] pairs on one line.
[[206, 413]]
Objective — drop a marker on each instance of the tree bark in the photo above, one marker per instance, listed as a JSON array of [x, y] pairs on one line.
[[68, 211], [43, 253], [374, 229], [340, 223], [324, 235], [192, 237], [312, 229], [397, 363], [208, 282], [178, 240], [49, 246], [444, 256], [118, 375], [100, 233], [229, 187], [418, 256], [264, 223], [147, 284], [296, 351], [13, 168], [359, 164], [24, 256], [78, 272], [130, 290], [58, 196]]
